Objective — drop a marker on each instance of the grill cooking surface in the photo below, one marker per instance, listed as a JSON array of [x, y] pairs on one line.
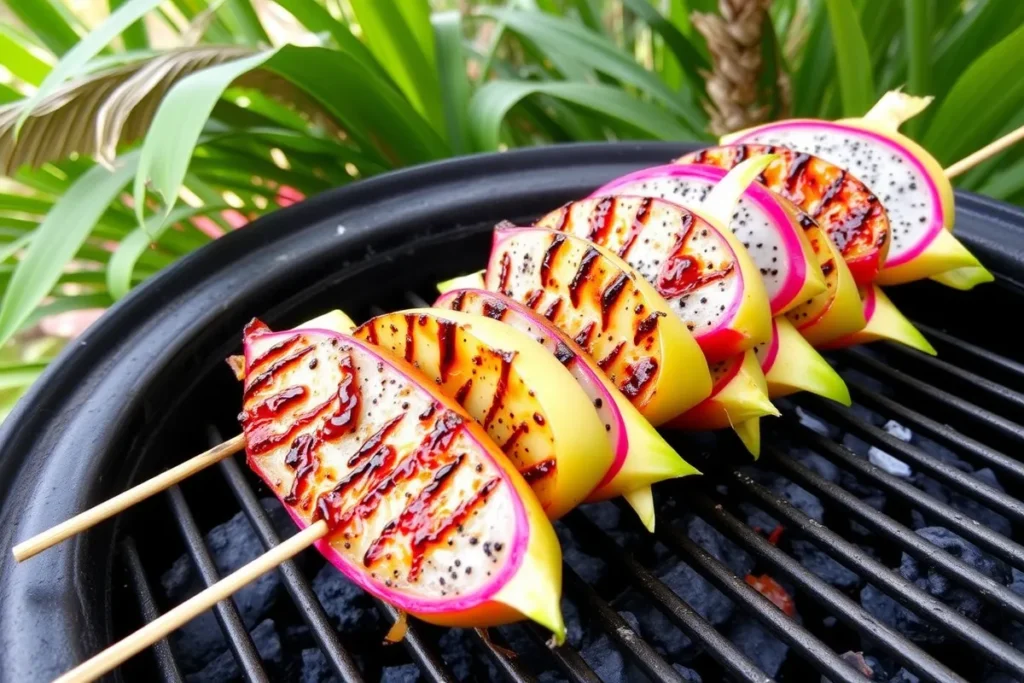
[[879, 529]]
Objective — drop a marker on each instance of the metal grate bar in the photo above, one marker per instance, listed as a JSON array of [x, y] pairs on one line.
[[1014, 399], [511, 667], [137, 575], [844, 608], [978, 414], [901, 590], [568, 659], [417, 646], [294, 581], [980, 535], [685, 617], [936, 430], [645, 656], [227, 614], [1001, 364], [744, 595], [992, 591], [947, 474]]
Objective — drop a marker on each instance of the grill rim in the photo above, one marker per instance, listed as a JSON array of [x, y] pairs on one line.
[[49, 599]]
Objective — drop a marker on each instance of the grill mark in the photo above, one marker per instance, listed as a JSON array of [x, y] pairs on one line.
[[827, 267], [638, 375], [639, 223], [563, 353], [833, 189], [505, 273], [646, 326], [539, 470], [500, 387], [302, 458], [410, 338], [583, 337], [257, 442], [255, 328], [600, 220], [274, 351], [495, 309], [609, 296], [550, 254], [278, 365], [795, 174], [742, 151], [534, 297], [553, 309], [445, 347], [343, 420], [463, 392], [582, 273], [272, 405], [612, 355], [563, 218], [510, 443], [371, 333], [374, 441], [458, 301]]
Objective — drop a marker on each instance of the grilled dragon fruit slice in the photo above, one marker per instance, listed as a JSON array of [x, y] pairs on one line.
[[407, 482], [642, 457], [790, 364], [528, 403], [739, 394], [884, 322], [704, 273], [846, 209], [611, 312], [837, 311], [763, 222], [911, 184]]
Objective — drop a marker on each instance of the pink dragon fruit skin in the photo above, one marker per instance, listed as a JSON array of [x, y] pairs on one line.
[[770, 234]]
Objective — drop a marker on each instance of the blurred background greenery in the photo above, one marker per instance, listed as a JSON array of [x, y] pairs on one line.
[[135, 131]]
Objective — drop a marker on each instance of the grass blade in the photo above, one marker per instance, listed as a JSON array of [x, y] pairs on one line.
[[58, 238], [917, 21], [73, 63], [19, 60], [490, 105], [317, 19], [987, 93], [135, 37], [394, 44], [982, 26], [853, 60], [455, 86], [816, 65], [688, 57], [417, 17], [46, 23]]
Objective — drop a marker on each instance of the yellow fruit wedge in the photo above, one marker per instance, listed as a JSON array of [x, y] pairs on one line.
[[790, 364], [612, 313], [884, 322], [528, 402]]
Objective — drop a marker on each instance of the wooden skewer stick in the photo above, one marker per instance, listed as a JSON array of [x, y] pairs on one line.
[[989, 150], [122, 501], [160, 627]]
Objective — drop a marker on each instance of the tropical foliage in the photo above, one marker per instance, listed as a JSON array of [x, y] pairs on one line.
[[136, 134]]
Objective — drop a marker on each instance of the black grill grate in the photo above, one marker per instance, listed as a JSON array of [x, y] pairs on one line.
[[914, 379]]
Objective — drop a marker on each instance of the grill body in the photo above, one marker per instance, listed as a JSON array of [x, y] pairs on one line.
[[146, 387]]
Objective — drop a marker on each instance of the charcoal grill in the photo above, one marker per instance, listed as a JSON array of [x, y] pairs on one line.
[[146, 387]]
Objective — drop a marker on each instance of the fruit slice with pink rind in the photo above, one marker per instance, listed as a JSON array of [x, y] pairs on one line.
[[790, 364], [739, 394], [911, 184], [766, 226], [406, 481], [528, 403], [641, 455], [885, 322], [843, 206], [704, 273], [595, 298]]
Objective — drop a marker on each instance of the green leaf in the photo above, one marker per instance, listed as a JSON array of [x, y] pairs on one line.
[[689, 59], [63, 304], [985, 24], [17, 58], [492, 102], [175, 130], [46, 23], [917, 20], [589, 15], [417, 17], [558, 36], [8, 94], [315, 17], [58, 238], [13, 247], [988, 92], [122, 263], [73, 63], [396, 47], [1006, 182], [853, 61], [135, 37], [17, 375], [451, 69], [816, 65]]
